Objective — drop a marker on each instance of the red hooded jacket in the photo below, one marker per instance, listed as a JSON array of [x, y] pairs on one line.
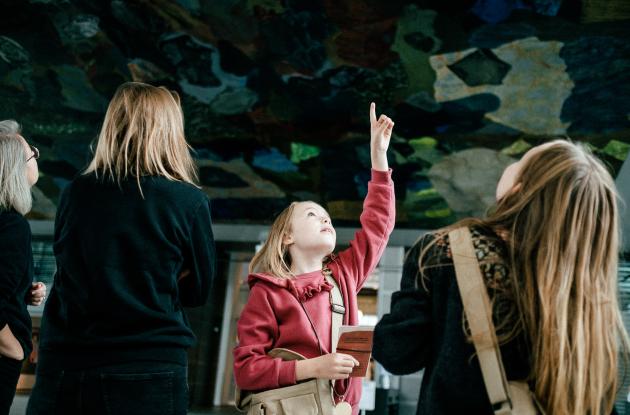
[[273, 316]]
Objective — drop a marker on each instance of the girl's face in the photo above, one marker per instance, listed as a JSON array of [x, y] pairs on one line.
[[507, 183], [311, 229], [31, 154]]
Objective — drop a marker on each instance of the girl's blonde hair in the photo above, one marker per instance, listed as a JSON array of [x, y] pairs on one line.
[[15, 191], [143, 135], [273, 258], [563, 241]]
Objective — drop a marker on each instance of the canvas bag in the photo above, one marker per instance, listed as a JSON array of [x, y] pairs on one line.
[[506, 397], [310, 397]]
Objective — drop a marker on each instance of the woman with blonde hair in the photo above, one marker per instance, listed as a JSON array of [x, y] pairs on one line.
[[548, 257], [18, 173], [133, 244]]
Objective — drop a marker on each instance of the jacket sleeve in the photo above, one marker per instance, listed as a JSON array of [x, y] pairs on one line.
[[199, 260], [377, 222], [257, 331], [402, 339], [15, 240]]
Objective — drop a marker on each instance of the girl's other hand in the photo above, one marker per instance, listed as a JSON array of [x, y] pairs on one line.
[[328, 366]]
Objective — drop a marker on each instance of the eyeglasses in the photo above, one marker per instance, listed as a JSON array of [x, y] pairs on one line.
[[35, 153]]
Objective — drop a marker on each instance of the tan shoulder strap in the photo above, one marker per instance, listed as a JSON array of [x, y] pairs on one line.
[[338, 310], [479, 316]]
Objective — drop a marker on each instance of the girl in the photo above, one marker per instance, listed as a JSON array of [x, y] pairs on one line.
[[18, 173], [289, 268], [133, 244], [548, 254]]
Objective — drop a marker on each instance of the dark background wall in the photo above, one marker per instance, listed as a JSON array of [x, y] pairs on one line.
[[276, 93]]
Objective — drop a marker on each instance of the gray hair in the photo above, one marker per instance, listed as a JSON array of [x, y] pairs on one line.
[[15, 192], [10, 127]]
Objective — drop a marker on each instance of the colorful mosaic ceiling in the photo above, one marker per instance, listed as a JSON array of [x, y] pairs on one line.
[[276, 93]]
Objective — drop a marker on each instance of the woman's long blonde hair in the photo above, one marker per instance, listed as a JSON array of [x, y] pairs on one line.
[[143, 135], [15, 191], [273, 257], [563, 239]]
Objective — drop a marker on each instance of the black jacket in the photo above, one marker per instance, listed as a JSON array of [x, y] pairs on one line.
[[424, 330], [116, 295], [16, 276]]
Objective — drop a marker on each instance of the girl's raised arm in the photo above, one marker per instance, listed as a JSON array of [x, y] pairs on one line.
[[379, 208]]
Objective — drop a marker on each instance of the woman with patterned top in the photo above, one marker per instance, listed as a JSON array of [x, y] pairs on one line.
[[548, 255]]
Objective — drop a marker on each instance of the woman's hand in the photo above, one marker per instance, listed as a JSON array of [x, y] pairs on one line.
[[37, 294], [328, 366], [9, 346], [380, 134]]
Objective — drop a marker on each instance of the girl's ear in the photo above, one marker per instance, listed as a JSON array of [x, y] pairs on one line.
[[287, 239]]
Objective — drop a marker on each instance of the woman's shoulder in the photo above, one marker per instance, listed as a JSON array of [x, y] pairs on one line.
[[159, 183], [14, 224], [11, 216], [433, 249], [483, 238], [82, 184], [179, 189]]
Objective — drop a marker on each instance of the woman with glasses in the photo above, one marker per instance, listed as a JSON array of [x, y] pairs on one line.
[[18, 173]]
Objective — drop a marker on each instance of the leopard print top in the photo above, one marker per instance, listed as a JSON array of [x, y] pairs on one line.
[[492, 255]]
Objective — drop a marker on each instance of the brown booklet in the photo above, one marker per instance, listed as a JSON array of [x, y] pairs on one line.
[[357, 342]]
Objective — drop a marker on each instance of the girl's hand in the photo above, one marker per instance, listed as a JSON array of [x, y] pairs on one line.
[[380, 134], [328, 366], [37, 294]]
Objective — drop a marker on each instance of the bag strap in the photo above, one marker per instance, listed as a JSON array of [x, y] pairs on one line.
[[338, 310], [479, 316]]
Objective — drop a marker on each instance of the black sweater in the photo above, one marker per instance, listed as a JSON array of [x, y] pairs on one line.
[[424, 331], [116, 295], [16, 276]]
